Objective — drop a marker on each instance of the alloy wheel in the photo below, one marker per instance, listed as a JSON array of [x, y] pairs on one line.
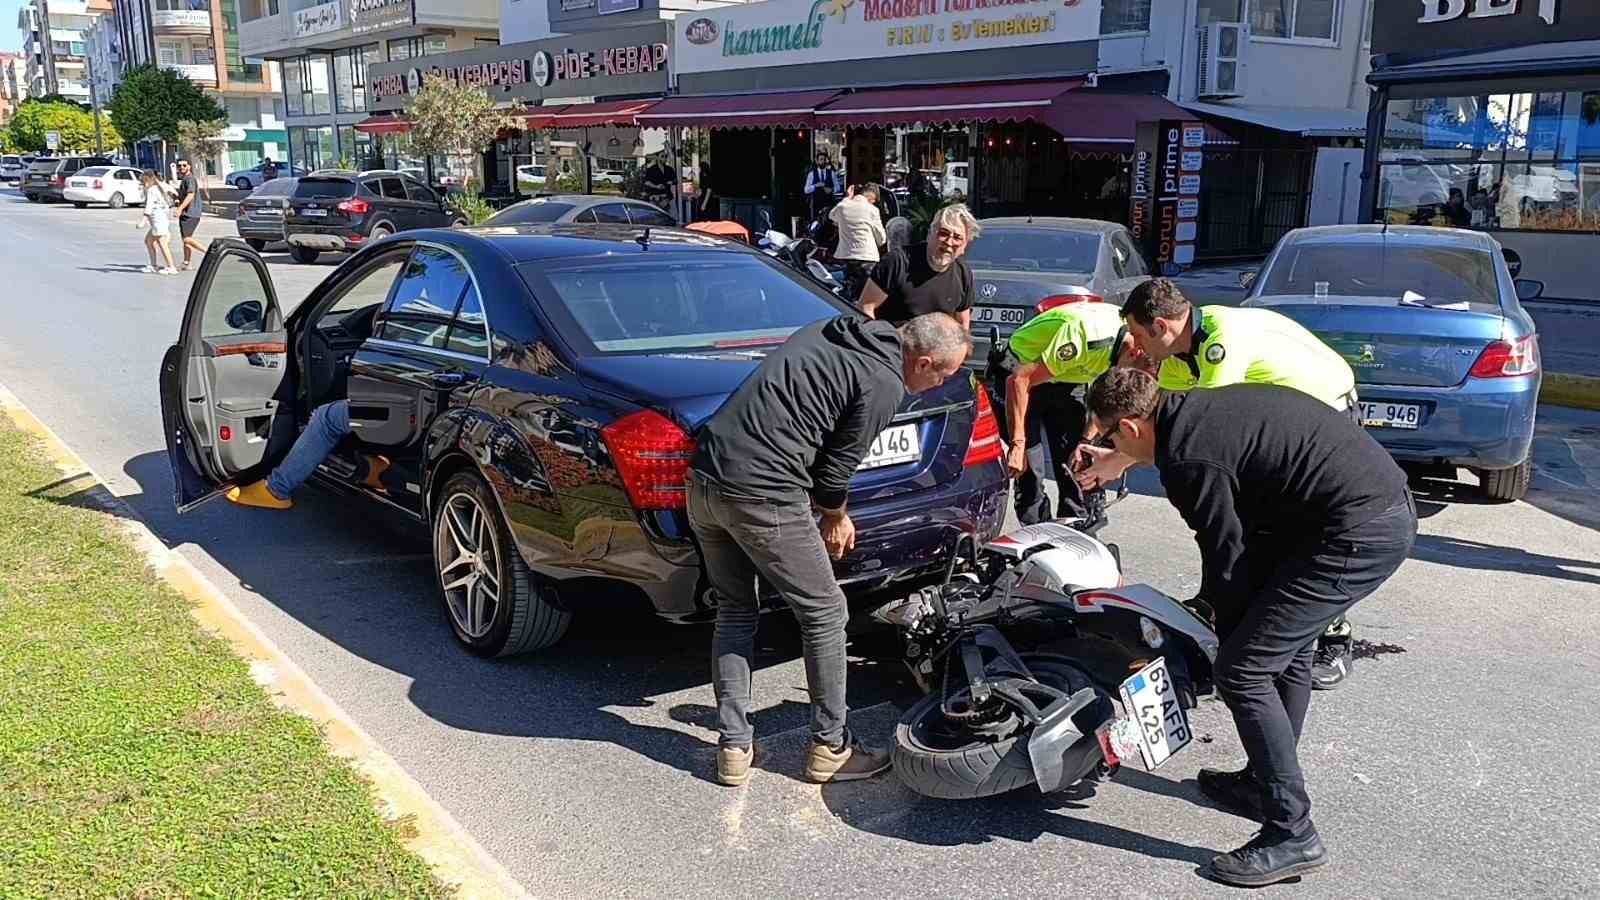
[[468, 553]]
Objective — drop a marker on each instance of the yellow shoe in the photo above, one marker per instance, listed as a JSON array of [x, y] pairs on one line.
[[257, 495], [376, 466]]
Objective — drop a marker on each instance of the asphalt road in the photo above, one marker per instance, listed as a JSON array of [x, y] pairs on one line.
[[1459, 761]]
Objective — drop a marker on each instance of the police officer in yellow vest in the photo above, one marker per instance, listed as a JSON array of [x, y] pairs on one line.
[[1212, 346], [1048, 358]]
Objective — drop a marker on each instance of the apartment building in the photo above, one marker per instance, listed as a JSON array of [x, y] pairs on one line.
[[55, 45], [12, 91], [325, 49], [201, 39], [103, 43]]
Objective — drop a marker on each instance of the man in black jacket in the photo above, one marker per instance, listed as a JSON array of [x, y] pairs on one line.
[[784, 444], [1241, 463]]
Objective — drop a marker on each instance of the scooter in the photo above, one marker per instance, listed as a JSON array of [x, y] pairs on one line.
[[1041, 666], [801, 255]]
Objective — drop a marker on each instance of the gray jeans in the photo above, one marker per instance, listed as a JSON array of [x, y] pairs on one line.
[[743, 538]]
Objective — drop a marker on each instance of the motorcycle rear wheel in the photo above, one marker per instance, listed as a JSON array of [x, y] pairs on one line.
[[930, 763]]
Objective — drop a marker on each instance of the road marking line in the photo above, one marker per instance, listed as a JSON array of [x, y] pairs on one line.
[[457, 859]]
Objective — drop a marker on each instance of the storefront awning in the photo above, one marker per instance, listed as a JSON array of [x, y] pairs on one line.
[[1017, 101], [584, 115], [779, 110], [1295, 120], [383, 125], [1094, 117]]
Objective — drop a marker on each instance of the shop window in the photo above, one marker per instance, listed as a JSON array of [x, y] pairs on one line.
[[1304, 20], [1124, 16]]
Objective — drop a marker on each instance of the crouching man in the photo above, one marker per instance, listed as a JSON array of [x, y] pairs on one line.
[[1244, 460], [781, 450]]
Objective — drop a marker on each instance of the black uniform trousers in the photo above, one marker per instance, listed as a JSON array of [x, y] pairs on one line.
[[1057, 419], [1263, 668]]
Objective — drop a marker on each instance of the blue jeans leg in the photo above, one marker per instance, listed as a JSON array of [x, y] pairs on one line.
[[329, 423]]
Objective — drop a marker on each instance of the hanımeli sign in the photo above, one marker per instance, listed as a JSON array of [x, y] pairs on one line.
[[1409, 25], [789, 32]]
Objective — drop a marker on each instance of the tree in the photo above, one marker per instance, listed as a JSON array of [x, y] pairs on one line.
[[71, 122], [151, 101], [455, 121], [202, 140]]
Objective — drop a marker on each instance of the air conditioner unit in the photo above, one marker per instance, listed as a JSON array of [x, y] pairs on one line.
[[1222, 67]]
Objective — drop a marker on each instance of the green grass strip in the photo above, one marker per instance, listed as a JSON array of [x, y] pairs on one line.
[[1577, 391], [137, 756]]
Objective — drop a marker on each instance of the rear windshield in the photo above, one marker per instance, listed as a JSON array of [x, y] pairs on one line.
[[1434, 276], [93, 171], [532, 212], [636, 304], [306, 188], [281, 187], [10, 160], [44, 165], [1034, 249]]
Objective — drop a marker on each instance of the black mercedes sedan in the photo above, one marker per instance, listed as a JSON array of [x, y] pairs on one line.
[[536, 390]]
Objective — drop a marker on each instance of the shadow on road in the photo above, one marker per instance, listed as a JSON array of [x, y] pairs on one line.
[[1468, 554]]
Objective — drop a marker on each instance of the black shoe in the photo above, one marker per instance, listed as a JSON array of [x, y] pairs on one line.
[[1332, 663], [1269, 860], [1235, 791]]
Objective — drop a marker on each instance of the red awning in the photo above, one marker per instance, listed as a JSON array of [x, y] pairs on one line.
[[782, 110], [610, 112], [1103, 118], [383, 125], [1013, 101]]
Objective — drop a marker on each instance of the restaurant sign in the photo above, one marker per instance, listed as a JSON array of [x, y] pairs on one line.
[[789, 32], [1407, 25], [603, 63]]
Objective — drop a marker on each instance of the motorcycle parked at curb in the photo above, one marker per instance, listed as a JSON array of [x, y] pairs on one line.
[[1105, 671]]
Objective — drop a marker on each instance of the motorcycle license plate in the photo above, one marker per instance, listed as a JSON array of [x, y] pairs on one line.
[[1157, 718]]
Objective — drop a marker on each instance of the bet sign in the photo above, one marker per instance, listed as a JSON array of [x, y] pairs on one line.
[[1450, 10]]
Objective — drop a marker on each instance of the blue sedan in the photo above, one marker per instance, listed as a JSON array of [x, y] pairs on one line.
[[1445, 357]]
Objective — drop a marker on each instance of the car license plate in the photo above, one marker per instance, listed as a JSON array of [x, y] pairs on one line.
[[1160, 724], [1391, 415], [999, 315], [313, 213], [899, 444]]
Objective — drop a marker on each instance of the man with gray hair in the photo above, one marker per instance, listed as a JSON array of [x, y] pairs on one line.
[[928, 277], [779, 452]]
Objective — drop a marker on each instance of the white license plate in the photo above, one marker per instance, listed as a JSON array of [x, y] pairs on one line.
[[999, 315], [77, 183], [313, 213], [1158, 718], [899, 444], [1391, 415]]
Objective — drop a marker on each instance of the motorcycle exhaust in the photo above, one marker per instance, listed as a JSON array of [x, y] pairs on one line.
[[1061, 754]]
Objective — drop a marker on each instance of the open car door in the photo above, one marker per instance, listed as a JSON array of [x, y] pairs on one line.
[[224, 383]]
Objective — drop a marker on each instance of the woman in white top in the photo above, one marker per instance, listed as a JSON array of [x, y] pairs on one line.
[[157, 223]]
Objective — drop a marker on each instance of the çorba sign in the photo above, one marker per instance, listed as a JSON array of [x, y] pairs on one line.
[[786, 32], [543, 68]]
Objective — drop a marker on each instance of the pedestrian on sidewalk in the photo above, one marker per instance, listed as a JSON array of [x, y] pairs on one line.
[[777, 455], [190, 206], [860, 235], [157, 223]]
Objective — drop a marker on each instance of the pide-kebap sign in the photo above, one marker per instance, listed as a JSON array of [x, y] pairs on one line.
[[605, 63], [789, 32]]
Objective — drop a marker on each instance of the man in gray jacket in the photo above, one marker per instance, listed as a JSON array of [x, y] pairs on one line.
[[781, 450]]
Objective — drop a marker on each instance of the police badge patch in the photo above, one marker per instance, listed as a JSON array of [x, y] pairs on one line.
[[1067, 352], [1215, 354]]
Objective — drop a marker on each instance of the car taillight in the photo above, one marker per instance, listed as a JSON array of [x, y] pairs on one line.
[[99, 185], [1503, 359], [985, 444], [651, 454], [355, 206], [1050, 303], [59, 181]]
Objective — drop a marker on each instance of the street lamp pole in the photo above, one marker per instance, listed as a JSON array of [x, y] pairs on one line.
[[94, 103]]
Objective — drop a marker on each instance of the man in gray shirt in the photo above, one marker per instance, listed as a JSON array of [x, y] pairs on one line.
[[190, 206]]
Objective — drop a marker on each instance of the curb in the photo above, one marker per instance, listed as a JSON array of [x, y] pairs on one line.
[[456, 858], [1576, 391]]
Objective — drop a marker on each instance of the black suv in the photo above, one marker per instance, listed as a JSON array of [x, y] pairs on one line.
[[340, 211], [47, 176]]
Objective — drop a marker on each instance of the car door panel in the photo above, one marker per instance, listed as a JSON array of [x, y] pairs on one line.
[[223, 383]]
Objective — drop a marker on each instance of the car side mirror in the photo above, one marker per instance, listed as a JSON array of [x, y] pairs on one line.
[[1529, 289], [1247, 279], [245, 315]]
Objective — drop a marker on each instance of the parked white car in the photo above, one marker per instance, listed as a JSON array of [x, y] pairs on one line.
[[531, 176], [11, 168], [115, 186]]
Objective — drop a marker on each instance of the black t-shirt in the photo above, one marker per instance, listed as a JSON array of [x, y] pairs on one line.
[[915, 289]]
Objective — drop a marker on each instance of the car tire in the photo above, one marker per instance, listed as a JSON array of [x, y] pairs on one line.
[[32, 198], [1506, 485], [117, 201], [473, 548], [459, 223], [256, 244], [303, 254], [379, 232], [76, 204], [242, 184]]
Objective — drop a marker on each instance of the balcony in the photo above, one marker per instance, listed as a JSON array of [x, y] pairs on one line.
[[180, 21], [199, 73]]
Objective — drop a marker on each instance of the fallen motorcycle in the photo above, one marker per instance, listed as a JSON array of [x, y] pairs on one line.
[[1105, 673]]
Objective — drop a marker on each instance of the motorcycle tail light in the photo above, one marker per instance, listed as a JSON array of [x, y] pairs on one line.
[[985, 444], [651, 454], [1151, 632], [1050, 303], [1504, 359]]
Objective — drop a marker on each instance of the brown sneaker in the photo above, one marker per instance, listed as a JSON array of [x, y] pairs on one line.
[[852, 763], [733, 765]]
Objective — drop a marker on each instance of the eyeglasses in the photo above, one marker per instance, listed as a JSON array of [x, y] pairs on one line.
[[951, 237]]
